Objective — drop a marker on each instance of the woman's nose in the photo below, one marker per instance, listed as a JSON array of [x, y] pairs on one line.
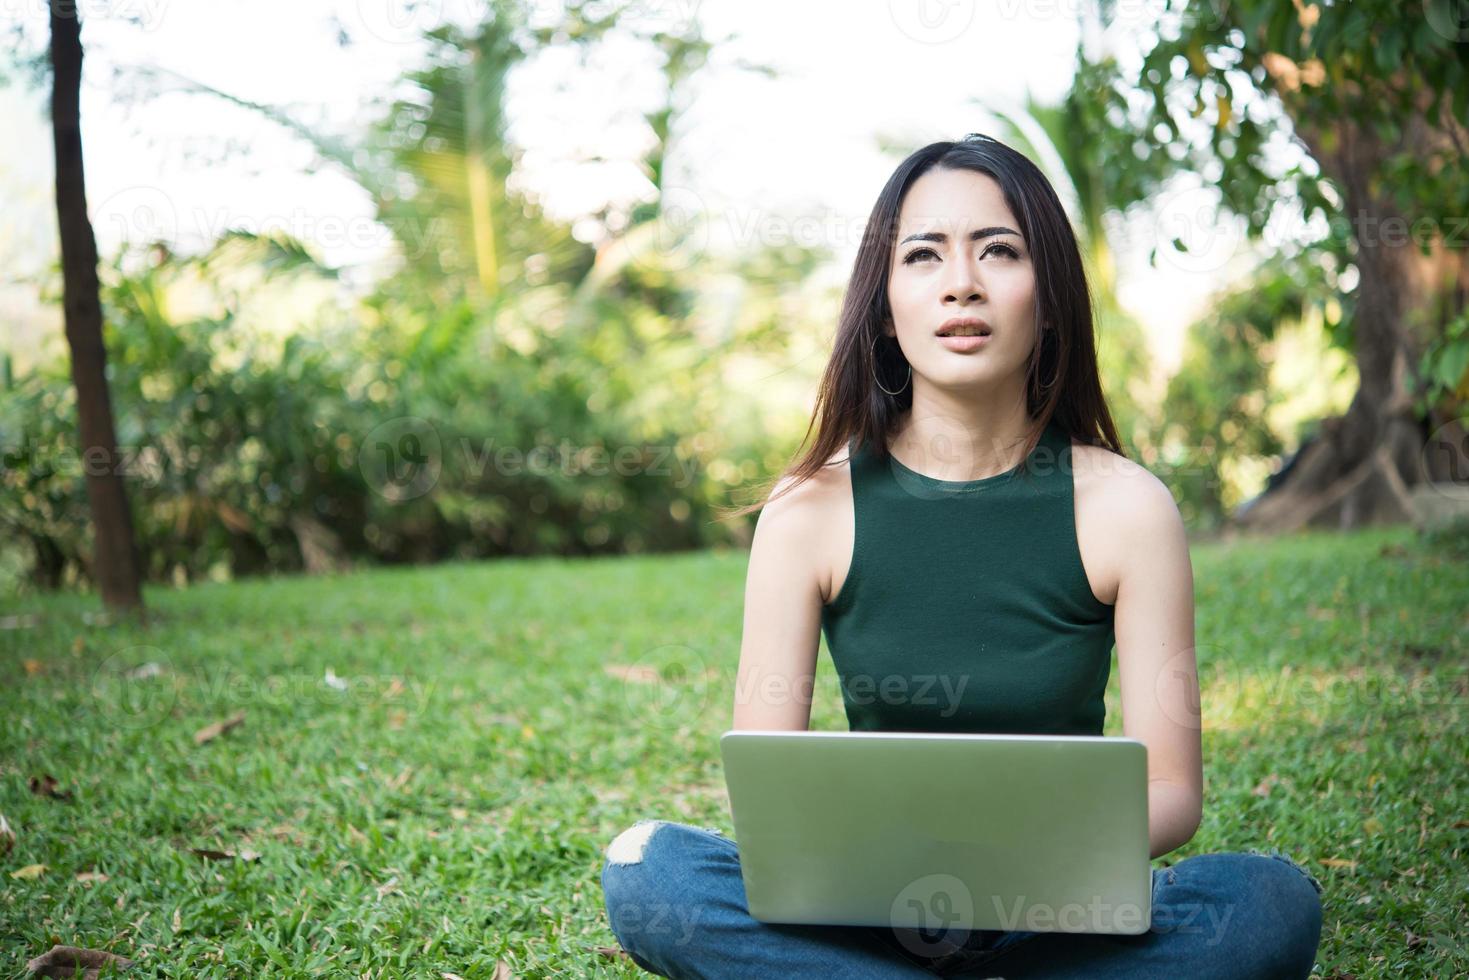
[[963, 281]]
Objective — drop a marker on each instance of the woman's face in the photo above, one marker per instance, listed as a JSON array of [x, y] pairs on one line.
[[941, 270]]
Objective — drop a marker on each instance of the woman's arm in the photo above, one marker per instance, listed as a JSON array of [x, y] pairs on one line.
[[1154, 620], [782, 621], [1173, 815]]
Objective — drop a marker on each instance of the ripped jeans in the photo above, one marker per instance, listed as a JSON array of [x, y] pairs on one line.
[[676, 902]]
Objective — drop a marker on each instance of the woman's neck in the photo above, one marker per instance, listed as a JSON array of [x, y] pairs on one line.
[[961, 439]]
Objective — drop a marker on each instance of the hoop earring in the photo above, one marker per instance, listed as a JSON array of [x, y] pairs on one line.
[[1055, 376], [878, 380]]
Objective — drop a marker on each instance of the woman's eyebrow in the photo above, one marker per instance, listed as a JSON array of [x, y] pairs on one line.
[[974, 236]]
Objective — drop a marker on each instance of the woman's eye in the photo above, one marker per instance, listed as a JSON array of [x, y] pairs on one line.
[[1007, 250]]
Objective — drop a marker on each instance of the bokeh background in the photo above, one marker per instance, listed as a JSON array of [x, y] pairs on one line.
[[396, 282]]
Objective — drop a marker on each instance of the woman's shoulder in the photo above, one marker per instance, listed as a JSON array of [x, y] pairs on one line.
[[816, 494], [814, 519], [1121, 489]]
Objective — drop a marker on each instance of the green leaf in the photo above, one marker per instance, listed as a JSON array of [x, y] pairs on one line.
[[1284, 31], [1452, 363], [1253, 21], [1425, 38], [1389, 51]]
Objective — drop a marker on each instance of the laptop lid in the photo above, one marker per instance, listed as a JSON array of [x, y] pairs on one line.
[[954, 831]]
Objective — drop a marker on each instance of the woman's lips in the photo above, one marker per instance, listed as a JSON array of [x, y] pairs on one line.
[[963, 345]]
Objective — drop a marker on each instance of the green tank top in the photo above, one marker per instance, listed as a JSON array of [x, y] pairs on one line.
[[966, 607]]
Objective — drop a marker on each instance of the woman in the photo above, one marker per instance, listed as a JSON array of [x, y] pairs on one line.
[[966, 514]]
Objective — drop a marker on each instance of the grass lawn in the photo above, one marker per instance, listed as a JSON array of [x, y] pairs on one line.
[[431, 760]]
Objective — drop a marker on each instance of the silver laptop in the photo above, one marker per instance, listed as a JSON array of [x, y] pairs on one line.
[[1041, 833]]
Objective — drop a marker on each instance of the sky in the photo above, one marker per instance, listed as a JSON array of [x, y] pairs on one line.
[[800, 155]]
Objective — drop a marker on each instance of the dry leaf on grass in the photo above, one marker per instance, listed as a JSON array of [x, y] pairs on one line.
[[210, 854], [63, 961], [610, 951], [29, 872], [32, 667], [211, 732], [1338, 863], [641, 673], [47, 785], [90, 876], [502, 971], [1266, 785], [286, 832]]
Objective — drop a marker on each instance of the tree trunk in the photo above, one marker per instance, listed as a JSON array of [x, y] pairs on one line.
[[50, 563], [321, 548], [1361, 468], [115, 562]]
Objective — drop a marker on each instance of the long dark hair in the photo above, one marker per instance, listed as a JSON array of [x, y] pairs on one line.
[[1062, 381]]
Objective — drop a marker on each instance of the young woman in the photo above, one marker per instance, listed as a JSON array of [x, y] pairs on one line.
[[966, 516]]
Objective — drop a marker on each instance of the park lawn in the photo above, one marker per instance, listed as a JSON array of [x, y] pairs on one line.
[[432, 760]]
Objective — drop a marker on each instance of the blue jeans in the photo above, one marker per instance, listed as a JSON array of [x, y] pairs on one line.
[[676, 902]]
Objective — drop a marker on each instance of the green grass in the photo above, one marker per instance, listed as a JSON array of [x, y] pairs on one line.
[[450, 808]]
